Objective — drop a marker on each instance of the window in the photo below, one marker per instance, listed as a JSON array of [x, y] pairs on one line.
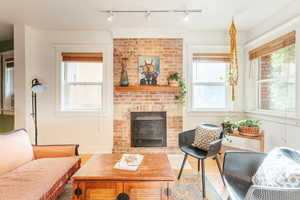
[[276, 84], [208, 81], [8, 87], [81, 88]]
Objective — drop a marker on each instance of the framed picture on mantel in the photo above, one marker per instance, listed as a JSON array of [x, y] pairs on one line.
[[148, 68]]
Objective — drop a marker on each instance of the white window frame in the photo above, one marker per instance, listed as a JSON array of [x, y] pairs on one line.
[[258, 92], [65, 86], [204, 49], [107, 81]]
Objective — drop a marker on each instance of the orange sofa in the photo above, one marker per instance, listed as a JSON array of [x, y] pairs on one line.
[[34, 172]]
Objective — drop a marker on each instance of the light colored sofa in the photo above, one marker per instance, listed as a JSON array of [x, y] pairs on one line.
[[34, 172]]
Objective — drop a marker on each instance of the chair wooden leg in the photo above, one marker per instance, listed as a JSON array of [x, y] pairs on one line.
[[182, 166], [203, 178], [220, 169], [198, 165]]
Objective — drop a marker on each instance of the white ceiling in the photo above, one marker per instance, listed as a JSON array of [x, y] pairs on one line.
[[83, 14]]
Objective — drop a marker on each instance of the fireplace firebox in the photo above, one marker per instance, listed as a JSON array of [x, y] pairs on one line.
[[148, 129]]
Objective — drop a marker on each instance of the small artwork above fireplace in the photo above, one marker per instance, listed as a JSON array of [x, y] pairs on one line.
[[148, 129], [148, 67]]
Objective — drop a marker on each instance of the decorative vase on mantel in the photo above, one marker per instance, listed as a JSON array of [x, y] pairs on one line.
[[124, 76]]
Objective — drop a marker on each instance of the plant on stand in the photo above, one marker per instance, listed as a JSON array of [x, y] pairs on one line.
[[228, 128], [249, 127], [175, 80]]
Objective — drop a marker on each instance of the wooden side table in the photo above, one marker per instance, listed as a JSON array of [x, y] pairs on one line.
[[260, 138]]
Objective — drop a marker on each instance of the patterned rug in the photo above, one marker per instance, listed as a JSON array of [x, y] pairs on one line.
[[187, 188]]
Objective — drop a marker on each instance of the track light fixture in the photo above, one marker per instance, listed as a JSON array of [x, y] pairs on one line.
[[186, 16], [148, 13], [110, 16]]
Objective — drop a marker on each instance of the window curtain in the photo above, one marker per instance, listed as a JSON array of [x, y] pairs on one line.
[[82, 57], [217, 57], [274, 45]]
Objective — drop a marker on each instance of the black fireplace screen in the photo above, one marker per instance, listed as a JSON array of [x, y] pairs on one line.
[[148, 129]]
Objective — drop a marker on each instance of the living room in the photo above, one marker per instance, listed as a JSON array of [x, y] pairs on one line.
[[102, 82]]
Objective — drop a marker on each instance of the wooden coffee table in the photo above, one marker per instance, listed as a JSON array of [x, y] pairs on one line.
[[98, 180]]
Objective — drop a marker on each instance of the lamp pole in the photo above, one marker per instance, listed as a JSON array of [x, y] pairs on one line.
[[34, 107], [34, 110]]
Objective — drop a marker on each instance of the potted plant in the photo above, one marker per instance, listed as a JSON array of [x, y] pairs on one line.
[[175, 80], [229, 126], [249, 127]]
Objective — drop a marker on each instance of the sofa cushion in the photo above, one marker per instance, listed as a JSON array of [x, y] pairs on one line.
[[281, 168], [15, 150], [35, 179]]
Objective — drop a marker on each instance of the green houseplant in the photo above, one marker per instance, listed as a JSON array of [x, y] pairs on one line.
[[229, 126], [249, 127], [175, 77]]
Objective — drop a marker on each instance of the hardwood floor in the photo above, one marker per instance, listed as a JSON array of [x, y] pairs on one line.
[[212, 172]]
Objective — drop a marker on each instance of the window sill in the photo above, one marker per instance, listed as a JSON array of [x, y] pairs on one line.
[[69, 113], [213, 112], [273, 116], [289, 115]]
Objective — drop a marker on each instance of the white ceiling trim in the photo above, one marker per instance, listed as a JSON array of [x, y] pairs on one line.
[[273, 33], [135, 33]]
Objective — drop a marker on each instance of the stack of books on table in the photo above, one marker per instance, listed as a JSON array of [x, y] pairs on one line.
[[130, 162]]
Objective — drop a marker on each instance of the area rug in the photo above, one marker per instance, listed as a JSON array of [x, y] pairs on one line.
[[187, 188], [176, 161]]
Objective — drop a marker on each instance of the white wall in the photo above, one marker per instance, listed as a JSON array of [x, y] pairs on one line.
[[92, 132], [21, 81], [280, 129]]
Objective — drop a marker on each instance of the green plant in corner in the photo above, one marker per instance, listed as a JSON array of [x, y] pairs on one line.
[[229, 126], [181, 96]]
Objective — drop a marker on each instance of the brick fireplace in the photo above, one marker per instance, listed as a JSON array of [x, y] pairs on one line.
[[127, 102]]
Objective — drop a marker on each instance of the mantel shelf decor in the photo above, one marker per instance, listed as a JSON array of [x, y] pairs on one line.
[[148, 88]]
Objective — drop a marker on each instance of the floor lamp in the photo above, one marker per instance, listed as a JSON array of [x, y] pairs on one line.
[[36, 87]]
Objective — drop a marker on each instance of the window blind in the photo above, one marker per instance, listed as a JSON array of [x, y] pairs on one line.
[[274, 45], [218, 57], [82, 57]]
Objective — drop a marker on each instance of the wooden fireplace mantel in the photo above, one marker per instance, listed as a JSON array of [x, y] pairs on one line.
[[148, 88]]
